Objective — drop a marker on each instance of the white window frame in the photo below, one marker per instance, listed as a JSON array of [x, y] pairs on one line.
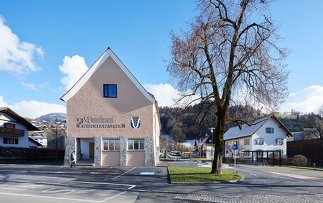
[[107, 142], [279, 141], [246, 141], [140, 147], [259, 141]]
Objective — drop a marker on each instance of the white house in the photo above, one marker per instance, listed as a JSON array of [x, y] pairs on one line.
[[265, 134], [14, 129]]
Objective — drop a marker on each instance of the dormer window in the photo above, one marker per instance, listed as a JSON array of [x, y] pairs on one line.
[[110, 90], [9, 125]]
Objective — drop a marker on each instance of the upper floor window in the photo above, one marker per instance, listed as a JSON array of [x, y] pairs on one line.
[[279, 141], [270, 130], [259, 141], [236, 142], [110, 90], [247, 142], [9, 125]]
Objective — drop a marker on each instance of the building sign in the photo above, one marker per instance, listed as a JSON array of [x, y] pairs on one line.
[[98, 122], [135, 122]]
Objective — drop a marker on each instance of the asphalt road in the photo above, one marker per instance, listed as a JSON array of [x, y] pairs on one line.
[[31, 183]]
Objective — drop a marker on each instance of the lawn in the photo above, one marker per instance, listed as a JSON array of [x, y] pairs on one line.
[[200, 175]]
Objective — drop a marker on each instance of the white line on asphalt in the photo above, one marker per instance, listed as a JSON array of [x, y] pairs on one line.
[[10, 188], [109, 198], [296, 176], [47, 197], [123, 173], [101, 183]]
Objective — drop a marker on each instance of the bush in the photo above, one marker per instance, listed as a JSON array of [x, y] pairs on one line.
[[299, 160]]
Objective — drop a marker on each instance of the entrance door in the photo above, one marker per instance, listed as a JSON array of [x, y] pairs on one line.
[[91, 150]]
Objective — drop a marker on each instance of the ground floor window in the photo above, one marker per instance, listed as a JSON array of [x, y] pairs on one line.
[[10, 140], [246, 153], [136, 145], [111, 145]]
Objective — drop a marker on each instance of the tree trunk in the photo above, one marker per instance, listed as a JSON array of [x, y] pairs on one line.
[[218, 134]]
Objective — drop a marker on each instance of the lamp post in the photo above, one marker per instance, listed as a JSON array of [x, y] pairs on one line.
[[212, 153], [56, 124]]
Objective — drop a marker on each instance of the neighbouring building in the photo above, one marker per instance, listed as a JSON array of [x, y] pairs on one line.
[[14, 129], [111, 119], [265, 134], [204, 147]]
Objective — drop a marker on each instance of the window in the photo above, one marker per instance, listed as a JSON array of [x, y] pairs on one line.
[[246, 142], [259, 141], [270, 130], [279, 141], [236, 142], [136, 145], [10, 140], [9, 125], [246, 153], [111, 145], [110, 90]]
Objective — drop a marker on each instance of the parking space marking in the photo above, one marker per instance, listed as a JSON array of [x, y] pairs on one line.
[[48, 197], [123, 173], [101, 183]]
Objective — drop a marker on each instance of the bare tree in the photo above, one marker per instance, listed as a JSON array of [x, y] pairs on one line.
[[229, 54], [318, 125]]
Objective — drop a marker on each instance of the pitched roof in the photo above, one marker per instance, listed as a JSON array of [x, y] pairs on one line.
[[18, 118], [248, 130], [87, 75], [34, 141]]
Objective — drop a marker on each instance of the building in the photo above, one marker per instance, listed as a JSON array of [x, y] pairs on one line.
[[111, 119], [33, 143], [265, 134], [205, 147], [14, 129]]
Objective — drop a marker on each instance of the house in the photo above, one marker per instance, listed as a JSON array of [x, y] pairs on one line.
[[111, 119], [33, 143], [265, 134], [14, 129], [205, 147]]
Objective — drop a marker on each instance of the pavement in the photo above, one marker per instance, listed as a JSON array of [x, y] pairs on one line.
[[32, 183]]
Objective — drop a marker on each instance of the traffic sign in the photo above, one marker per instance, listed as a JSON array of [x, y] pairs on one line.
[[235, 147]]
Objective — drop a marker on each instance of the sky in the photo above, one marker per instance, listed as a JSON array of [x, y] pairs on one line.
[[45, 46]]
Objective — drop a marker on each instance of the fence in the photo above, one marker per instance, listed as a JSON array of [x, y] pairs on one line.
[[312, 149], [30, 155]]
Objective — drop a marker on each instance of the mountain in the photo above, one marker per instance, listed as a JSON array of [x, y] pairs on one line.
[[52, 117]]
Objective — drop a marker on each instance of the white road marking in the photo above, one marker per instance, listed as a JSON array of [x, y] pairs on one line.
[[123, 173], [47, 197], [10, 188], [109, 198], [56, 190], [101, 183], [296, 176]]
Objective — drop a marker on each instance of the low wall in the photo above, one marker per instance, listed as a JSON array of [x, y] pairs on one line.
[[25, 155]]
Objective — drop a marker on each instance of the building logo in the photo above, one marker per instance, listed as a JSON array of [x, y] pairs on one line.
[[135, 122]]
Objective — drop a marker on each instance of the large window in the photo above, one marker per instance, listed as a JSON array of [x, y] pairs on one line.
[[279, 141], [110, 90], [259, 141], [111, 145], [10, 140], [270, 130], [136, 145]]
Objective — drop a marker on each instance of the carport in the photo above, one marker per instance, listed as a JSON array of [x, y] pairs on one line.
[[259, 157]]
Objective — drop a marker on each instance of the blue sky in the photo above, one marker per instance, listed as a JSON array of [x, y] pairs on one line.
[[49, 37]]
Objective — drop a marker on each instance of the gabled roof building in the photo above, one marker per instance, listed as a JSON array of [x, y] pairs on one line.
[[111, 119], [265, 134]]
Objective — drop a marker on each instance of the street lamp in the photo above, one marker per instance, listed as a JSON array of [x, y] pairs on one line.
[[211, 129]]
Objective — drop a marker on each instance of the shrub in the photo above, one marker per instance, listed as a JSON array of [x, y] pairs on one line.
[[299, 160]]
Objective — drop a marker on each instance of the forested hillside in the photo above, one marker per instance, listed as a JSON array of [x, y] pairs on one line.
[[195, 121]]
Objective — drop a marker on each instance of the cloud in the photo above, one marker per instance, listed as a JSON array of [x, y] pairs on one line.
[[30, 86], [167, 95], [164, 93], [32, 108], [308, 100], [16, 56], [72, 69]]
